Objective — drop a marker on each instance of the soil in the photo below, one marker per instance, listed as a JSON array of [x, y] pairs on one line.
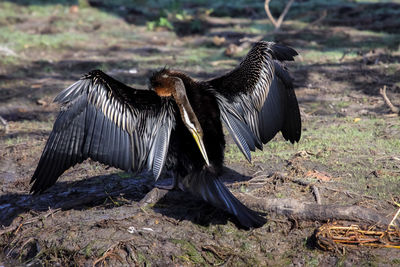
[[92, 215]]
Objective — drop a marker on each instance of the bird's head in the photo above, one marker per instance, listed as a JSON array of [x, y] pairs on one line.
[[163, 83], [166, 84]]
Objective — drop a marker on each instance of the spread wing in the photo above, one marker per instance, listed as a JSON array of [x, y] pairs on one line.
[[257, 99], [109, 122]]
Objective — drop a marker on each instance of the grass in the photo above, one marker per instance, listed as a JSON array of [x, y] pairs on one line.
[[69, 34], [190, 252], [316, 56], [345, 148], [19, 40]]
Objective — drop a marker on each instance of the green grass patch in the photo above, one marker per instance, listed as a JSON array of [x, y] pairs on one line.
[[190, 252], [318, 56], [344, 148], [18, 40]]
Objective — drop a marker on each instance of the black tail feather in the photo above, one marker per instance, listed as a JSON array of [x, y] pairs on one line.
[[282, 52], [292, 126], [208, 186]]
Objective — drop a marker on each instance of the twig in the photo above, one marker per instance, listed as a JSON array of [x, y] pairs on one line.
[[309, 25], [310, 183], [21, 247], [277, 23], [314, 188], [109, 252], [316, 194], [331, 237], [318, 20], [392, 222], [18, 227], [34, 219], [387, 101], [271, 18], [4, 123]]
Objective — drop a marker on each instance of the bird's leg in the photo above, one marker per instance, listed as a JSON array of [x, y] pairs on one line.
[[158, 192]]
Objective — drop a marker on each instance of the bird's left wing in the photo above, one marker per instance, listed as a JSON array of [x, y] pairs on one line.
[[257, 99], [109, 122]]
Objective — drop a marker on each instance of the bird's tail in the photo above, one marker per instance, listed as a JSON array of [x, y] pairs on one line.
[[208, 186]]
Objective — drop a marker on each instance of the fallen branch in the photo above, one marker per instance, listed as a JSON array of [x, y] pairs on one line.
[[392, 107], [292, 208], [277, 23]]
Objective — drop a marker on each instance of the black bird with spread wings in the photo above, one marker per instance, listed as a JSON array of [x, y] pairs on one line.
[[176, 125]]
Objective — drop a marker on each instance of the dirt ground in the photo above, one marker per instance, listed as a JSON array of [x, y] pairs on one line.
[[349, 150]]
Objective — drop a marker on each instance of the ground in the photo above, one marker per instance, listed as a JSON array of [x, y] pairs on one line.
[[350, 145]]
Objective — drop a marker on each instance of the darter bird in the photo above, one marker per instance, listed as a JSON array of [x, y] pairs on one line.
[[176, 125]]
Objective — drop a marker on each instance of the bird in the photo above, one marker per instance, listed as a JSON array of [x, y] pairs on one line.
[[176, 125]]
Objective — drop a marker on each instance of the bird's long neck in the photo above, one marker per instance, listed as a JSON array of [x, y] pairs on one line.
[[188, 116], [167, 86]]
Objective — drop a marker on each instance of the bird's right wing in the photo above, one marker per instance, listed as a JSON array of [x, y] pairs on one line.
[[109, 122], [257, 99]]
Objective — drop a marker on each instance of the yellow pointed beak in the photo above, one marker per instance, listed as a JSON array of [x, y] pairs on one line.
[[200, 144]]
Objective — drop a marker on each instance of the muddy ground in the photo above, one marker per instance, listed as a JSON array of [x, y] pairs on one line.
[[350, 146]]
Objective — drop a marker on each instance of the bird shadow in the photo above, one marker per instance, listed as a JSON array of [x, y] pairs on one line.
[[97, 190]]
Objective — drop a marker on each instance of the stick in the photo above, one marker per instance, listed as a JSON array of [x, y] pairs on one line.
[[109, 252], [392, 222], [387, 100], [34, 219], [316, 194], [271, 18], [277, 23], [5, 125]]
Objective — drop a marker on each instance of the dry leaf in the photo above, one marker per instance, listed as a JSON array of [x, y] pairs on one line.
[[38, 85], [74, 9], [218, 40], [233, 49], [319, 175]]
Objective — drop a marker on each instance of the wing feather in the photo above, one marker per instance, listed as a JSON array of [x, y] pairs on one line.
[[107, 121], [257, 99]]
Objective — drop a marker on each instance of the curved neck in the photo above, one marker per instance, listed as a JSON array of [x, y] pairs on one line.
[[188, 116]]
